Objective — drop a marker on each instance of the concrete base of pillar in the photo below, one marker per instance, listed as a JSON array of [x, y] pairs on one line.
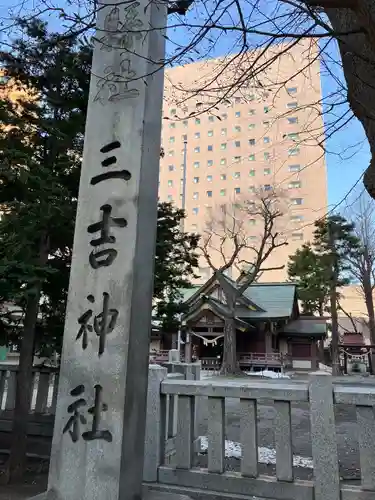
[[147, 495]]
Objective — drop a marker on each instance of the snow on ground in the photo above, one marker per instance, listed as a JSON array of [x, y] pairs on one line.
[[268, 374], [265, 455], [264, 373]]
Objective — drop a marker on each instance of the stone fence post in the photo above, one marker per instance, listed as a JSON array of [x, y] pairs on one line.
[[155, 424], [323, 437]]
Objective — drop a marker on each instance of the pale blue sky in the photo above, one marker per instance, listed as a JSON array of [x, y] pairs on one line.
[[347, 150]]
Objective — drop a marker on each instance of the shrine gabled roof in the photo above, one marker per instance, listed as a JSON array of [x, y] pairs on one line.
[[216, 307], [276, 299], [261, 300]]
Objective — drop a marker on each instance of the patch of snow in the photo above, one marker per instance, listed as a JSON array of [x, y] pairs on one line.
[[265, 455], [208, 374], [325, 368], [268, 374]]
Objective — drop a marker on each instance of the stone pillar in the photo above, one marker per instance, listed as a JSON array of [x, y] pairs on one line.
[[155, 423], [174, 356], [99, 433]]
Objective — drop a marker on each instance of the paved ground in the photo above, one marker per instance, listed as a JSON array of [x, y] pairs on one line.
[[346, 435]]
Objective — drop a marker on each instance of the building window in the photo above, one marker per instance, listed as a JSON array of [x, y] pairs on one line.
[[293, 151], [171, 140], [237, 100], [294, 168], [266, 156], [210, 147], [223, 145], [196, 164], [267, 187], [211, 118], [237, 175], [267, 171], [172, 125], [185, 123], [197, 135], [223, 177], [196, 180], [169, 197], [291, 90], [237, 190], [294, 136], [296, 218], [173, 111], [252, 222], [266, 109], [223, 161], [266, 123], [251, 112], [292, 105], [294, 184], [252, 157], [197, 149], [171, 153], [210, 133], [195, 210], [223, 192], [194, 227], [237, 144], [251, 126], [197, 121], [251, 189], [209, 178], [170, 183], [237, 114], [223, 131], [236, 158], [292, 120], [251, 142], [184, 137], [224, 116], [252, 173], [195, 195], [210, 163], [171, 168], [266, 140], [296, 201], [237, 128], [297, 236], [209, 194]]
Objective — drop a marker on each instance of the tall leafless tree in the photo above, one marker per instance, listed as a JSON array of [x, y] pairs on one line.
[[230, 242], [362, 264]]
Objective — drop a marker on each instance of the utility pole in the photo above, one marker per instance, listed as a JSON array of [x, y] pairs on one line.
[[183, 194], [183, 206], [333, 300]]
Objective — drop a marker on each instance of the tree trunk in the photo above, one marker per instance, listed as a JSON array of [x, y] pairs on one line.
[[230, 364], [370, 310], [335, 333], [17, 459], [358, 60]]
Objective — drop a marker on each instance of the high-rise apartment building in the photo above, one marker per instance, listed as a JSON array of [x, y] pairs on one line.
[[266, 135]]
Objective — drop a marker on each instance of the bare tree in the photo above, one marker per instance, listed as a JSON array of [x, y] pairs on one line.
[[230, 242], [362, 264]]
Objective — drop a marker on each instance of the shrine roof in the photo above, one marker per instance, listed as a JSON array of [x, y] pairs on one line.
[[306, 327]]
